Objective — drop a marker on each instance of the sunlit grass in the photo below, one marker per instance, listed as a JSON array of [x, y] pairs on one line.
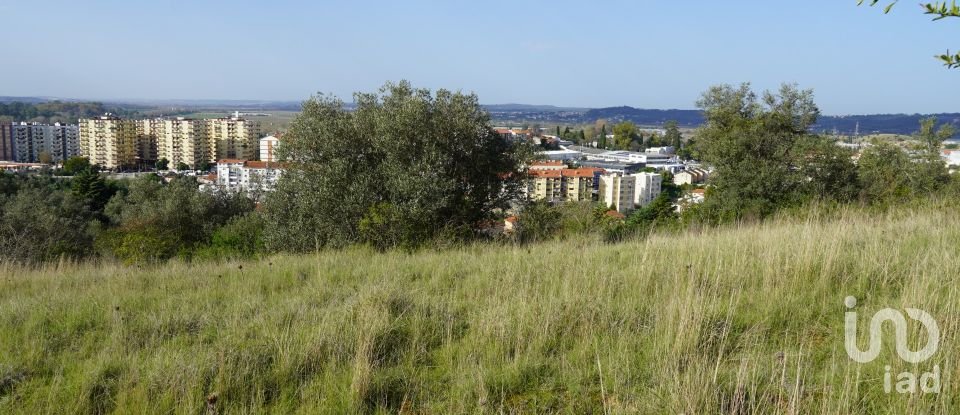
[[733, 320]]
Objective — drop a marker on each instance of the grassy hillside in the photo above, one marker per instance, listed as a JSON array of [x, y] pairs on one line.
[[746, 320]]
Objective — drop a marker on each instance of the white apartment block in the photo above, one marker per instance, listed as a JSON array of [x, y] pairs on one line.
[[35, 142], [649, 186], [268, 148], [617, 192], [248, 176]]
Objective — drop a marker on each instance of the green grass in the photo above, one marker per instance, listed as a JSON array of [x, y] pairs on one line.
[[275, 122], [732, 320]]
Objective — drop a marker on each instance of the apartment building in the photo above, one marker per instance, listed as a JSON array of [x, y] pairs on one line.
[[232, 138], [6, 144], [109, 141], [148, 133], [617, 192], [35, 142], [545, 185], [580, 184], [649, 186], [248, 176], [181, 141], [268, 148], [561, 184]]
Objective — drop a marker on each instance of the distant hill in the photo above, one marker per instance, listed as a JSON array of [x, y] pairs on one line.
[[531, 108], [844, 124], [54, 111]]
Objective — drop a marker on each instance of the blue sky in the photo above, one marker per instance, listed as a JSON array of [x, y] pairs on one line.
[[643, 53]]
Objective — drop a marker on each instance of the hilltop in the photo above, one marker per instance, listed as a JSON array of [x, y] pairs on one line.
[[730, 320]]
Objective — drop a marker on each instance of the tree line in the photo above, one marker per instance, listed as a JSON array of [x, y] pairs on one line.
[[410, 168]]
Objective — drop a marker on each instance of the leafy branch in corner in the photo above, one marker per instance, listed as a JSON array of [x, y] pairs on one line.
[[939, 9]]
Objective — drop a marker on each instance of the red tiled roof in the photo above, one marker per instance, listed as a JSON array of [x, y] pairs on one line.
[[588, 172], [232, 161], [549, 174]]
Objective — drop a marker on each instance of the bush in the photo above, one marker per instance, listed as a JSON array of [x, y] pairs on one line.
[[537, 222]]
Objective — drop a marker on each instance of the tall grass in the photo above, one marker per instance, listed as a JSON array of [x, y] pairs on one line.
[[735, 320]]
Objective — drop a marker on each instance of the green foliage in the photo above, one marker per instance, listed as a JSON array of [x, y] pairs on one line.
[[887, 174], [74, 165], [240, 237], [763, 155], [88, 186], [673, 137], [55, 111], [181, 166], [570, 327], [938, 9], [626, 136], [405, 159], [537, 222], [173, 219], [162, 164], [38, 225]]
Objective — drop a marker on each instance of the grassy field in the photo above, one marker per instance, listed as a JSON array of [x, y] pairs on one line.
[[731, 321], [274, 122]]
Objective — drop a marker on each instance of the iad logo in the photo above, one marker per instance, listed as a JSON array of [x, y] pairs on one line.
[[907, 382]]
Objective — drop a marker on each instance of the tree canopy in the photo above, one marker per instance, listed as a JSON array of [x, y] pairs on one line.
[[763, 155], [405, 166]]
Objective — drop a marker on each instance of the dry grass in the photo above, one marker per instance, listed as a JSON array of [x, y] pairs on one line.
[[733, 320]]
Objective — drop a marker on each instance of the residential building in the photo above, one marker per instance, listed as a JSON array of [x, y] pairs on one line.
[[545, 185], [693, 197], [617, 192], [6, 142], [554, 182], [148, 134], [109, 141], [251, 177], [580, 184], [181, 141], [690, 176], [232, 138], [268, 148], [649, 186], [35, 142]]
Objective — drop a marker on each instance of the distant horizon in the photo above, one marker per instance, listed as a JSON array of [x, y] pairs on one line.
[[651, 54], [215, 101]]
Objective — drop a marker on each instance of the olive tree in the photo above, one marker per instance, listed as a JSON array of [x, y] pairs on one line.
[[404, 166]]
